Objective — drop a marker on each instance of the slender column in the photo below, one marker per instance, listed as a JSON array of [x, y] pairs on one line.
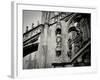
[[45, 38]]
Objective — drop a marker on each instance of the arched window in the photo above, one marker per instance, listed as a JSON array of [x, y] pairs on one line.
[[58, 31]]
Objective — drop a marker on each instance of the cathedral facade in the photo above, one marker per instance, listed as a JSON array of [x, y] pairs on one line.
[[62, 39]]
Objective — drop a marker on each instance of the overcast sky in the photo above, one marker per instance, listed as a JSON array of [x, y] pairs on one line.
[[29, 17]]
